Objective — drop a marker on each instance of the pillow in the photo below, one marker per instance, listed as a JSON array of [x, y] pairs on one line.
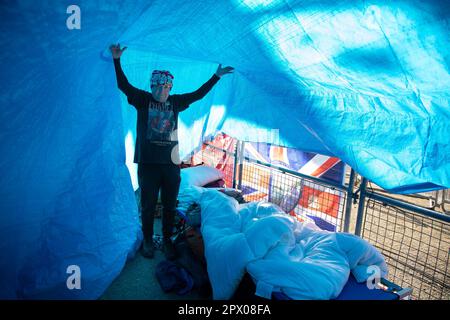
[[200, 175]]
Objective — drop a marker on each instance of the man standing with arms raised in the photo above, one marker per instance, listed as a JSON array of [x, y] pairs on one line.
[[156, 150]]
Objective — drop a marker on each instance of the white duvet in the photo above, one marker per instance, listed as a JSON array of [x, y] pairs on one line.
[[279, 252]]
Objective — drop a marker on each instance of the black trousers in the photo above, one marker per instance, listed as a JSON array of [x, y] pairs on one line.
[[152, 178]]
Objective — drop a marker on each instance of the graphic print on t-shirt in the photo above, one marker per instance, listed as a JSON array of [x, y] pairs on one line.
[[161, 122]]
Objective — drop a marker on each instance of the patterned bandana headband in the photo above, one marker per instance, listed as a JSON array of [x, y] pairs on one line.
[[161, 77]]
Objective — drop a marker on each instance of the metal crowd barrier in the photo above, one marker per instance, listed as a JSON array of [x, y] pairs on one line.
[[415, 240]]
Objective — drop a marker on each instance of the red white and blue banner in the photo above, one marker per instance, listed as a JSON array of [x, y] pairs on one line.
[[302, 198]]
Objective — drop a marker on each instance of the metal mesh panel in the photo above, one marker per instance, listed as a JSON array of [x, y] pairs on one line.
[[328, 204], [254, 180], [305, 198], [416, 248]]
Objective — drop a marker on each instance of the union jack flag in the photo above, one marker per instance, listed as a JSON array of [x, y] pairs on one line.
[[302, 198]]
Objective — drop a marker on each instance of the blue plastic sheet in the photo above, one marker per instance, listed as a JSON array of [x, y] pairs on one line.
[[366, 81]]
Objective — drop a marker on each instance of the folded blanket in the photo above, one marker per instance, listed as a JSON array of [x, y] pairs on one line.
[[279, 252]]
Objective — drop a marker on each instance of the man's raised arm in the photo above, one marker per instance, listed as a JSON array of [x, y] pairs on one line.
[[131, 92]]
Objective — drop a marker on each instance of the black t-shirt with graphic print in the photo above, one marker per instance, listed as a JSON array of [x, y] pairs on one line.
[[157, 122]]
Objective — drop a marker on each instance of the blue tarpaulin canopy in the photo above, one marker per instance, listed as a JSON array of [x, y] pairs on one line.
[[365, 81]]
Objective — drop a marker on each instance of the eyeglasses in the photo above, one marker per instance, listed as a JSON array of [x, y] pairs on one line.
[[165, 86]]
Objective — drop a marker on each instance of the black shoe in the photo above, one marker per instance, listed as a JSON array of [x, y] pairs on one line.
[[169, 250], [148, 250]]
